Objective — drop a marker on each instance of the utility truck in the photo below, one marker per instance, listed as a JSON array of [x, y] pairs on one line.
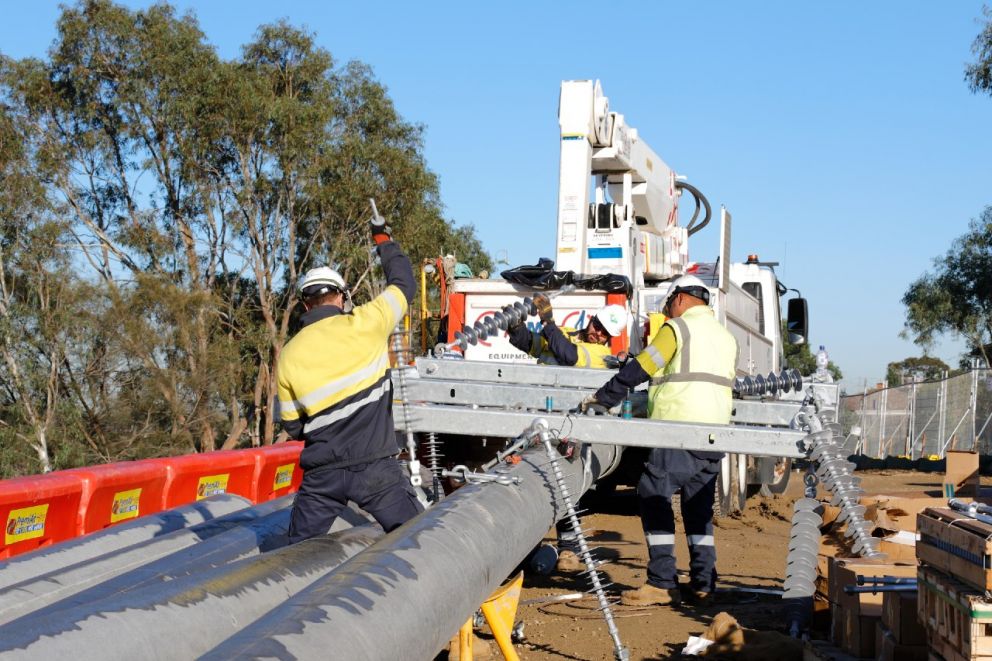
[[618, 213]]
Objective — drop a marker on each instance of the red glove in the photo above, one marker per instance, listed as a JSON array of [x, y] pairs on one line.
[[381, 232]]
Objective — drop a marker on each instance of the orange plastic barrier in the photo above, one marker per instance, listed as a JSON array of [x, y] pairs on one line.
[[278, 472], [113, 493], [194, 477], [38, 510]]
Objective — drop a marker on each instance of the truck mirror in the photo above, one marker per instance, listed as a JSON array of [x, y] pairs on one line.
[[797, 323]]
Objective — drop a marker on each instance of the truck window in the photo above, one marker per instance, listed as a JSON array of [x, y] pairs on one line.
[[754, 289]]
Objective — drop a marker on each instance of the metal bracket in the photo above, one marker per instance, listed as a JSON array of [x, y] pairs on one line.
[[462, 474]]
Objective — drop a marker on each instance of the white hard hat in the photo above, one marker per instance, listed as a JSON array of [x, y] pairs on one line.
[[613, 319], [321, 280], [691, 285]]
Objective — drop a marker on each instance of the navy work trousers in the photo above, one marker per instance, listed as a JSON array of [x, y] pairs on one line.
[[694, 474], [380, 488]]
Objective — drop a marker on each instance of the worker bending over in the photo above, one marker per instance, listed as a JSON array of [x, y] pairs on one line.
[[571, 348], [691, 365], [567, 346], [335, 394]]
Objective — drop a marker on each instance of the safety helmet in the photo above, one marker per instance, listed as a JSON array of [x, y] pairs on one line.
[[691, 285], [613, 319], [321, 280]]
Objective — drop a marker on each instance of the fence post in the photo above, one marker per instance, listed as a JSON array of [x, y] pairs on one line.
[[974, 404], [860, 449], [881, 425], [912, 422], [942, 415]]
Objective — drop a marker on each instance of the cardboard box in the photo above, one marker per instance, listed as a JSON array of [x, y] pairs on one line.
[[837, 625], [961, 477], [900, 547], [900, 618], [859, 634], [855, 615], [895, 513], [887, 649], [956, 545], [844, 571]]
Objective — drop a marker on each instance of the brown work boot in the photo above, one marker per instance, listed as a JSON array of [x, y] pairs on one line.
[[569, 561], [701, 597], [649, 595]]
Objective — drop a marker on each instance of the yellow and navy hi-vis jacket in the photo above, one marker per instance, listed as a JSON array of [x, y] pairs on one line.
[[334, 387], [559, 346]]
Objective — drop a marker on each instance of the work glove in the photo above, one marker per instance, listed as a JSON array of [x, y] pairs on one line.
[[381, 232], [591, 403], [544, 311], [588, 403]]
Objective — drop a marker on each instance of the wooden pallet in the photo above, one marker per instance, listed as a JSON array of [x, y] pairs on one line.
[[958, 618], [957, 545]]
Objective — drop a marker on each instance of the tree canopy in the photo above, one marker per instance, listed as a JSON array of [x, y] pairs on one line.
[[920, 368], [978, 74], [956, 297], [157, 206]]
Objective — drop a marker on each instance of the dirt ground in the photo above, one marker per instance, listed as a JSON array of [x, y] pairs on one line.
[[751, 551]]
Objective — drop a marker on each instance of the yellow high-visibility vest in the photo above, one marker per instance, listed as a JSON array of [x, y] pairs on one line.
[[695, 385]]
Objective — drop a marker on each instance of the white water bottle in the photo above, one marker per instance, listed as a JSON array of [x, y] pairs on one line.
[[822, 360]]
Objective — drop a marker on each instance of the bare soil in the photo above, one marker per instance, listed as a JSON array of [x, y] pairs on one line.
[[751, 551]]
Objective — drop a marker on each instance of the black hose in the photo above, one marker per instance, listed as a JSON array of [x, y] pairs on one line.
[[701, 201]]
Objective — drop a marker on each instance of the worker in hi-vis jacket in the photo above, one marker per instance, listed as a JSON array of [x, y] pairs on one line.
[[691, 365], [568, 347], [335, 394]]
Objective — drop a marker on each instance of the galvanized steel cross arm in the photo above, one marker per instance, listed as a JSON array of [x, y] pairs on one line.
[[609, 430], [535, 375], [549, 398]]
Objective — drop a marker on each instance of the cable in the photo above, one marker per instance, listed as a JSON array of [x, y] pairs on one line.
[[701, 201]]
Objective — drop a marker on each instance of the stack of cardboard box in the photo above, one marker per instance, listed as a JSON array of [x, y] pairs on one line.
[[898, 635], [888, 625], [857, 618], [954, 573]]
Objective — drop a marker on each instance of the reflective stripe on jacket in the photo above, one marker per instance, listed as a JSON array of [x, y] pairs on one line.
[[695, 385]]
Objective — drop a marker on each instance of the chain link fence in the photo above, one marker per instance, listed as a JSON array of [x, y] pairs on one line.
[[922, 419]]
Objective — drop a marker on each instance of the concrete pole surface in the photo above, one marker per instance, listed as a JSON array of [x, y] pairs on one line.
[[212, 544], [153, 526], [406, 596], [184, 617]]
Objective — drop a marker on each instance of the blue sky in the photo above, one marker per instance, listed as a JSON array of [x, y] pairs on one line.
[[840, 135]]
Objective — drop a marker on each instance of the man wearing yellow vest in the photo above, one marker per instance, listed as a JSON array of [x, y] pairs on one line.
[[564, 346], [335, 394], [691, 365]]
